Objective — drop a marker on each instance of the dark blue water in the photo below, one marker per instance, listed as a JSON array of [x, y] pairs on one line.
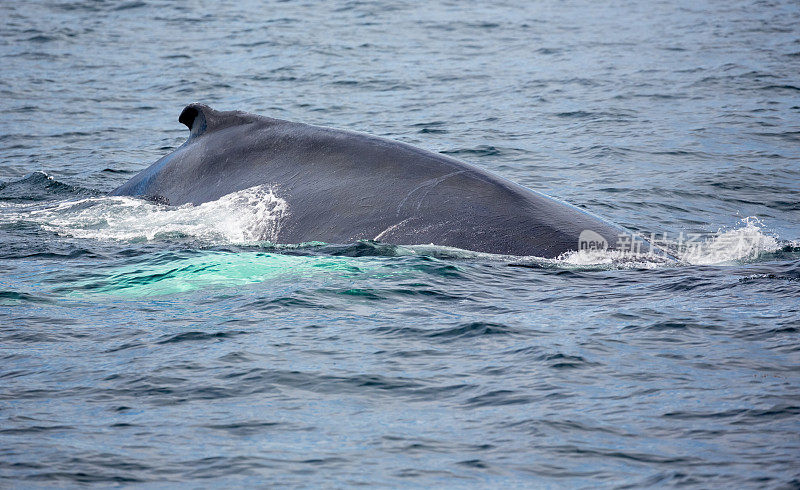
[[143, 343]]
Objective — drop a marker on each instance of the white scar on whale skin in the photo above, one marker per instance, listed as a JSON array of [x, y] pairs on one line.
[[430, 184], [389, 229]]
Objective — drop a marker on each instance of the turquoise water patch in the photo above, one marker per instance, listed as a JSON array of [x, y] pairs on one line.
[[217, 269]]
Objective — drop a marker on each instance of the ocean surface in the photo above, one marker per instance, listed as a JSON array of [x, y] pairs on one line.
[[141, 343]]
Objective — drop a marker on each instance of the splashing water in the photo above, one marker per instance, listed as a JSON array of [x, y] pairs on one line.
[[610, 259], [745, 242], [253, 214]]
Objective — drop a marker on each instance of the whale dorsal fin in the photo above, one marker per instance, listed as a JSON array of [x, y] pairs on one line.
[[197, 117], [200, 118]]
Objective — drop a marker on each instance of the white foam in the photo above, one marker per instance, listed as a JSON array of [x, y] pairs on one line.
[[745, 242], [611, 259], [250, 215]]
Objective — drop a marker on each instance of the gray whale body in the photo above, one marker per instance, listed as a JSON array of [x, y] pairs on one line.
[[344, 186]]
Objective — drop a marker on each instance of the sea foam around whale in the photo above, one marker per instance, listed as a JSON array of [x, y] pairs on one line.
[[744, 242], [249, 215]]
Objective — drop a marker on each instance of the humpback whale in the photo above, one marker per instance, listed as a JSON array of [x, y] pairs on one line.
[[344, 186]]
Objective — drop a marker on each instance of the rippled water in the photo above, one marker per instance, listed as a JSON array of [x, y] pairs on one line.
[[145, 343]]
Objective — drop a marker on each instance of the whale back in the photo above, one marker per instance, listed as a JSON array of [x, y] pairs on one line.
[[343, 186]]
